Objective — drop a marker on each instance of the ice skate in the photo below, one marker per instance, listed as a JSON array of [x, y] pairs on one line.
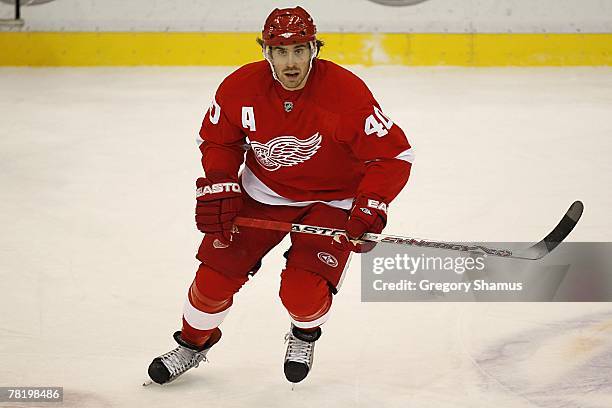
[[300, 353], [169, 366]]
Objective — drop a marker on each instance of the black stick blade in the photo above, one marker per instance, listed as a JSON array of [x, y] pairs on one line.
[[565, 226]]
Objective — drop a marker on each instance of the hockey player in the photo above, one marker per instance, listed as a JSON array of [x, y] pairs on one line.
[[319, 150]]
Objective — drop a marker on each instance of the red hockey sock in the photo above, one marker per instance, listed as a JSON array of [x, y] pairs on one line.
[[194, 336], [210, 295]]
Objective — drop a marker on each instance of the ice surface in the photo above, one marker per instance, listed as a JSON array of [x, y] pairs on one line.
[[97, 169]]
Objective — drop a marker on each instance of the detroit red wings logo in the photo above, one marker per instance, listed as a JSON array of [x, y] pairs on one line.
[[285, 151]]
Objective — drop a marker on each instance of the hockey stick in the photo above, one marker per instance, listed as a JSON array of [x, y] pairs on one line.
[[536, 251]]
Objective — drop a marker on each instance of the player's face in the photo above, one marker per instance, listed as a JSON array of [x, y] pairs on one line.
[[291, 63]]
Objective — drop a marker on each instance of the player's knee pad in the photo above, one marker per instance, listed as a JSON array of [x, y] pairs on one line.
[[305, 295], [212, 291]]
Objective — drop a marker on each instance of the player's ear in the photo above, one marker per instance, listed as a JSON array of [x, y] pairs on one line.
[[263, 47]]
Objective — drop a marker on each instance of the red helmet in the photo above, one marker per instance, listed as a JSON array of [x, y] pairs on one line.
[[288, 26]]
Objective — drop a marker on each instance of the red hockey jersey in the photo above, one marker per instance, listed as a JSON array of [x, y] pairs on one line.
[[329, 141]]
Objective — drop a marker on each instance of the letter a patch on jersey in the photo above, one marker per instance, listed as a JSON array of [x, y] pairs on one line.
[[285, 151]]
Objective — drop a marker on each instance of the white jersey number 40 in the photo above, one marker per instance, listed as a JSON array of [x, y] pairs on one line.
[[377, 123]]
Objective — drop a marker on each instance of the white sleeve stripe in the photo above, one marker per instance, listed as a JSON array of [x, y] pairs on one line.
[[406, 155], [201, 320]]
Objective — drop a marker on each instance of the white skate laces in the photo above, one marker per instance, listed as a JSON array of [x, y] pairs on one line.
[[181, 359], [171, 365], [300, 353]]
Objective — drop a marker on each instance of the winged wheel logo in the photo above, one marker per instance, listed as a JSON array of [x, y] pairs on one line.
[[285, 151]]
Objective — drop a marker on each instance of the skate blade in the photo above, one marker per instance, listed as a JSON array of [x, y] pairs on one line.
[[147, 382]]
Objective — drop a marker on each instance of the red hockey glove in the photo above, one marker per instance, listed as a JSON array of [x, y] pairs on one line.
[[219, 199], [367, 215]]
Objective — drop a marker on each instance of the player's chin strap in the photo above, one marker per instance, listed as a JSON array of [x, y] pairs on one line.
[[313, 54]]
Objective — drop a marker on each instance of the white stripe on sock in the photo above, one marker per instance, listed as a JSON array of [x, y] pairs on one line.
[[311, 324], [201, 320]]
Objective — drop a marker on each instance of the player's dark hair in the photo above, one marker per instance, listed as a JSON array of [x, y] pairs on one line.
[[318, 42]]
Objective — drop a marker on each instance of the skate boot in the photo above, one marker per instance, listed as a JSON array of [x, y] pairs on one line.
[[168, 367], [300, 352]]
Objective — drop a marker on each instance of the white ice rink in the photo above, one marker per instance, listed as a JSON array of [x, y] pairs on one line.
[[97, 170]]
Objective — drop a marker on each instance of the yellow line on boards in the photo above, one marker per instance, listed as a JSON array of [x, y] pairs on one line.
[[162, 48]]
